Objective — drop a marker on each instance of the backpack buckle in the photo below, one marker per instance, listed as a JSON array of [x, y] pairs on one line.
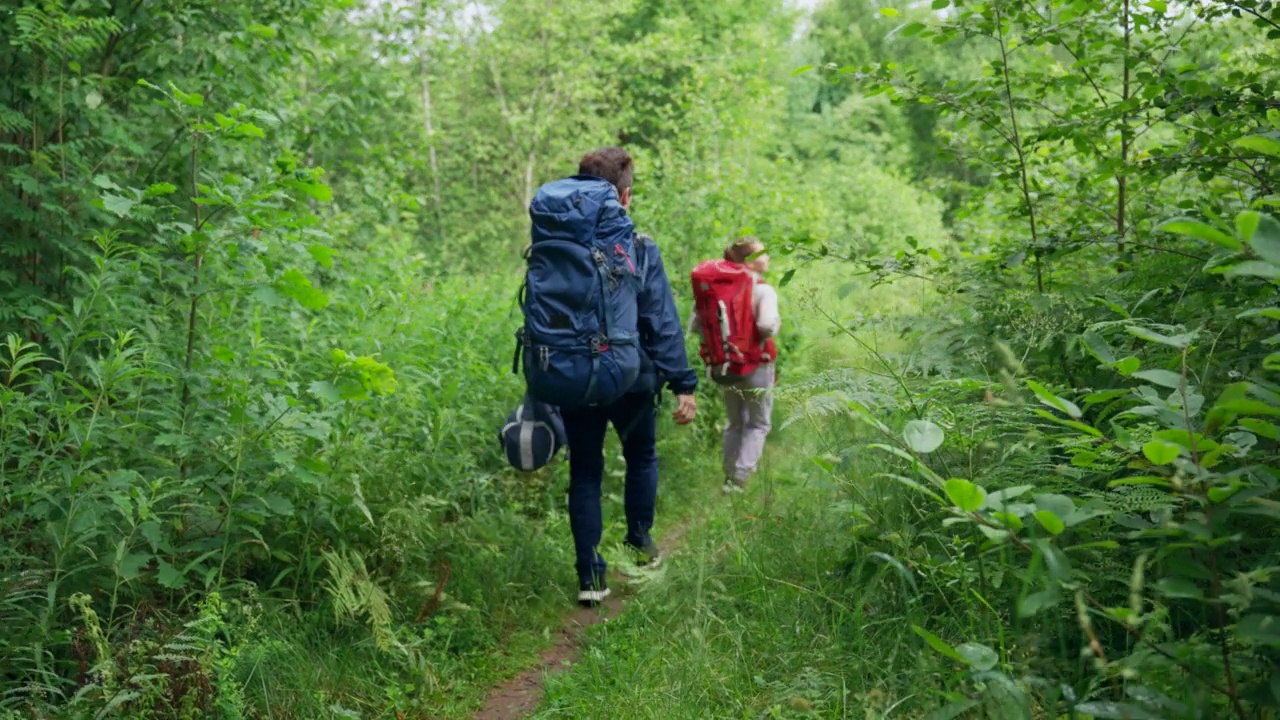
[[598, 345], [544, 357]]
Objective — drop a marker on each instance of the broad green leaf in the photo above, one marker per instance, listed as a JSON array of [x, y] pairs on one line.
[[802, 69], [1073, 424], [922, 436], [952, 710], [964, 494], [1261, 427], [1254, 268], [105, 182], [120, 205], [1059, 505], [1141, 480], [1260, 629], [1128, 366], [1107, 710], [981, 657], [1260, 144], [995, 535], [1180, 342], [1038, 601], [159, 189], [1270, 313], [1247, 224], [1201, 231], [1008, 519], [1163, 378], [1098, 346], [322, 254], [889, 12], [1053, 401], [941, 4], [1266, 239], [1050, 522], [1179, 588], [262, 31], [131, 565], [1161, 452], [938, 644], [169, 576]]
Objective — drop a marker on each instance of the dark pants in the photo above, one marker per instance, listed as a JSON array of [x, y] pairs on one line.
[[634, 417]]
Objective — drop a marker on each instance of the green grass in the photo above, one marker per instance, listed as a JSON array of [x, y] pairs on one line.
[[761, 614]]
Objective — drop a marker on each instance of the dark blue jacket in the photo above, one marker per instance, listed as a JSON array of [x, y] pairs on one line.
[[663, 357]]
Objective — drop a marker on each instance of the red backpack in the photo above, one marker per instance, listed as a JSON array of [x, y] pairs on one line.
[[730, 341]]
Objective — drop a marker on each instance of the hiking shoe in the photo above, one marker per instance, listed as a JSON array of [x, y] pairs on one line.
[[592, 597], [648, 557], [733, 486]]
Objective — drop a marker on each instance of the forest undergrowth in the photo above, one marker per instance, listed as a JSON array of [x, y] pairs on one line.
[[258, 267]]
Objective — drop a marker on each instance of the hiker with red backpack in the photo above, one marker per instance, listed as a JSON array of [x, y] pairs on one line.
[[736, 314], [601, 338]]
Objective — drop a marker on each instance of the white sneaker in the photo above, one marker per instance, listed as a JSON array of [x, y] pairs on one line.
[[731, 487], [591, 598]]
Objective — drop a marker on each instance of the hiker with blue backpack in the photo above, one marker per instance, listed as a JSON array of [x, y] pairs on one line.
[[601, 338]]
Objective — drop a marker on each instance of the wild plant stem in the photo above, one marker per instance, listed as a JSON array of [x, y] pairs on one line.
[[1017, 144]]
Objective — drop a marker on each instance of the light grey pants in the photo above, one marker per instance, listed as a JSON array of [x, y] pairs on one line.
[[748, 404]]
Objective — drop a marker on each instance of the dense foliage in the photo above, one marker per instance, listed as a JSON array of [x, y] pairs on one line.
[[257, 269]]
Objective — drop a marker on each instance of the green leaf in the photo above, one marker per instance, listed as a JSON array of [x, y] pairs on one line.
[[938, 644], [1059, 505], [278, 504], [1201, 231], [1260, 144], [1050, 522], [953, 710], [1163, 378], [321, 254], [995, 535], [1265, 240], [1008, 519], [1260, 629], [1247, 224], [889, 12], [966, 496], [1098, 346], [131, 565], [981, 657], [1180, 342], [1053, 401], [120, 205], [922, 436], [262, 31], [1038, 601], [1261, 427], [1128, 366], [1254, 268], [1107, 710], [105, 182], [169, 576], [159, 189], [801, 70], [1179, 588], [1160, 452], [941, 4], [319, 191]]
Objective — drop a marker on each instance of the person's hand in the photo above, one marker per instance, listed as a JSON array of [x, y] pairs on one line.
[[686, 410]]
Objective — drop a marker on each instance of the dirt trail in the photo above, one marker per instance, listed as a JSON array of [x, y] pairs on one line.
[[518, 697]]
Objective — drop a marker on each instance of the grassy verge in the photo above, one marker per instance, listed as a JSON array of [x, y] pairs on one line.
[[763, 615]]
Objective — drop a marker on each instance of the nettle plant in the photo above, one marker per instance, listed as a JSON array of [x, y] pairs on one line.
[[1195, 630]]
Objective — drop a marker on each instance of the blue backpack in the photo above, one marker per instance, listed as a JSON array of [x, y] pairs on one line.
[[532, 436], [579, 344]]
